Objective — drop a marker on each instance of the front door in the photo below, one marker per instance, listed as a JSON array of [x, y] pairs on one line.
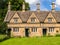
[[9, 32], [27, 32], [44, 32]]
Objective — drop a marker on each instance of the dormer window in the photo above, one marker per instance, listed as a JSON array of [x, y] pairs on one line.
[[15, 20], [49, 20], [32, 20]]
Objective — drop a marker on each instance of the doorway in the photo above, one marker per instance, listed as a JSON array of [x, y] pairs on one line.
[[9, 32], [44, 32], [27, 32]]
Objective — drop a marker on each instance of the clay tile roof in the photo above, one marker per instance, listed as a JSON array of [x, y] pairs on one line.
[[57, 16], [42, 15], [9, 15], [25, 15]]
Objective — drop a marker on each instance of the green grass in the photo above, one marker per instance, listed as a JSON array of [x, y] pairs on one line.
[[32, 41]]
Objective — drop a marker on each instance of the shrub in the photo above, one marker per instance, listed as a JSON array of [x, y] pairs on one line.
[[57, 35], [50, 35], [3, 37]]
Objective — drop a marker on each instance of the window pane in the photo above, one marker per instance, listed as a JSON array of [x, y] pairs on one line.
[[15, 29], [51, 29], [33, 20], [34, 29], [15, 20], [49, 19]]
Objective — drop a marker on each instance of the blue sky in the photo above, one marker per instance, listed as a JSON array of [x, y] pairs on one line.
[[45, 5]]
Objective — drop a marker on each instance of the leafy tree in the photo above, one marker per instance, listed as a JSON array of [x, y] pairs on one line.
[[15, 5], [3, 28]]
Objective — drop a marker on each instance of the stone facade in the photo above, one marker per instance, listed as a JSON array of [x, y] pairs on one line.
[[40, 26], [33, 23]]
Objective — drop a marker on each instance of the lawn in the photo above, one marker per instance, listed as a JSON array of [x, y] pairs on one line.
[[32, 41]]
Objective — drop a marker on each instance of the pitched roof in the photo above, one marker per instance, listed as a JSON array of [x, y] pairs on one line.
[[57, 16], [25, 15]]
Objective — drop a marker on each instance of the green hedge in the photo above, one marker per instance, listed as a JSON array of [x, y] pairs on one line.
[[3, 37]]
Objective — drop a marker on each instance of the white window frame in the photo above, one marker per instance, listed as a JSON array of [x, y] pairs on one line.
[[34, 29], [15, 29], [49, 20], [32, 20], [51, 29], [15, 20]]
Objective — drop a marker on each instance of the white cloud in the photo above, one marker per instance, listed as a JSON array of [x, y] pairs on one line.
[[31, 1], [33, 5], [58, 3]]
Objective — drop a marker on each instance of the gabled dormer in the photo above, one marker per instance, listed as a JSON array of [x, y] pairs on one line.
[[33, 19], [50, 18], [15, 18]]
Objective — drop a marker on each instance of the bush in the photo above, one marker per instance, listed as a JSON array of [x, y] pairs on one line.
[[57, 35], [3, 37], [50, 35]]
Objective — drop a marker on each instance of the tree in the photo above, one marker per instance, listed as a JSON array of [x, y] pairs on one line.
[[15, 5], [3, 28]]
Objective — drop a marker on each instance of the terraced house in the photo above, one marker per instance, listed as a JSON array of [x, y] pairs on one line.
[[33, 23]]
